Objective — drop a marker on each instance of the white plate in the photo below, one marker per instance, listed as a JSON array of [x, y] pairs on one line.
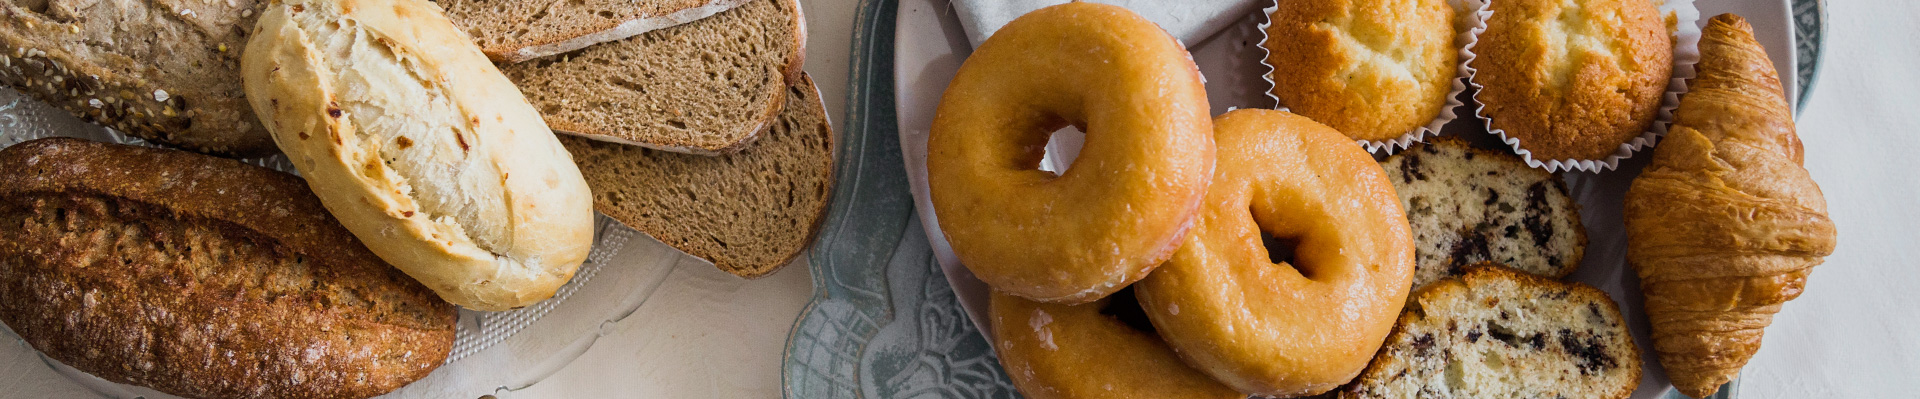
[[930, 45]]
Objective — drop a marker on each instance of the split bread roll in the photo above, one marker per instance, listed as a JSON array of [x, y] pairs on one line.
[[421, 147]]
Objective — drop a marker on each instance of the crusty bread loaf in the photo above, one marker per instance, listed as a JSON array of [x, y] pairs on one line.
[[707, 87], [1498, 333], [421, 147], [515, 31], [749, 213], [167, 71], [1469, 205], [202, 277]]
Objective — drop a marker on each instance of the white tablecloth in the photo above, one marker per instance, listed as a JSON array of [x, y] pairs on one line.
[[1855, 333]]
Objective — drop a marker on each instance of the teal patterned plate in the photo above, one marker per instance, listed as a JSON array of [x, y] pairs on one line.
[[884, 321]]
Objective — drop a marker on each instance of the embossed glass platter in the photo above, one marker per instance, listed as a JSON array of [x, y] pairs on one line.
[[883, 324]]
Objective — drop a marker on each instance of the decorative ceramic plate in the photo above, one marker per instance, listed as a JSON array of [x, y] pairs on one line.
[[894, 315]]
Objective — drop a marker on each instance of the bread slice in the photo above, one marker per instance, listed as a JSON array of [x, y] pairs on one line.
[[1494, 332], [166, 71], [706, 87], [202, 277], [1469, 205], [749, 213], [515, 31]]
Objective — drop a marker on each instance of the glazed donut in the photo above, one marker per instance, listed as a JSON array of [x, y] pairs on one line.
[[1054, 351], [1285, 327], [1124, 204]]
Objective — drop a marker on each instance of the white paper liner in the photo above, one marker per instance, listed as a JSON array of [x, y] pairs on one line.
[[1686, 52], [1463, 40]]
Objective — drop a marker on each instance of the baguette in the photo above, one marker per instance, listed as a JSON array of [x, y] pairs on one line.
[[202, 277], [421, 147]]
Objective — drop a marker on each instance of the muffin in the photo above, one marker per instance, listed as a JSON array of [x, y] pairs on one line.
[[1572, 80], [1375, 70]]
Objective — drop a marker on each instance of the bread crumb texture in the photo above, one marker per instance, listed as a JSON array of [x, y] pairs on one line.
[[1469, 205]]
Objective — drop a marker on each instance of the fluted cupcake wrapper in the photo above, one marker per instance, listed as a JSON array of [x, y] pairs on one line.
[[1682, 18], [1462, 41]]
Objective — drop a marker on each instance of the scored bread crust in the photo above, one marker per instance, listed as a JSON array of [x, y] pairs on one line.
[[552, 84], [421, 147], [706, 206], [138, 265], [1579, 102], [548, 33], [160, 70], [1370, 69]]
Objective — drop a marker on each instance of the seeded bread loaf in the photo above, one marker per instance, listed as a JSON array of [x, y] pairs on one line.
[[166, 71], [515, 31], [749, 213], [1497, 333], [202, 277], [421, 147], [1469, 205], [707, 87]]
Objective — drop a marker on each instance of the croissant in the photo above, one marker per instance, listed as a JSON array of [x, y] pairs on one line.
[[1725, 223]]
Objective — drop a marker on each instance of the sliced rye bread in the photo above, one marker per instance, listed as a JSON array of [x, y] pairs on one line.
[[165, 71], [515, 31], [1470, 205], [749, 213], [707, 87], [1494, 332]]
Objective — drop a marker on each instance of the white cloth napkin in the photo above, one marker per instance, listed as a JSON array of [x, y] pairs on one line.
[[1188, 20]]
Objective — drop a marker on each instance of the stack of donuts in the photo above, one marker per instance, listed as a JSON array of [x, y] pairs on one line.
[[1180, 255]]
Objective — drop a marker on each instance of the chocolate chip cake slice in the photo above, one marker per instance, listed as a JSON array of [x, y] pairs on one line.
[[1494, 332], [1470, 205]]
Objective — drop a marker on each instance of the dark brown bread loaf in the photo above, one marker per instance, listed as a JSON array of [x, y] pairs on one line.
[[749, 213], [166, 71], [202, 277]]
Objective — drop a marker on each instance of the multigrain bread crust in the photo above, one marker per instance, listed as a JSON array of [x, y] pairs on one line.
[[708, 87], [166, 71], [1374, 70], [202, 277], [1498, 333], [1469, 205], [516, 31], [1573, 80], [421, 147], [749, 213]]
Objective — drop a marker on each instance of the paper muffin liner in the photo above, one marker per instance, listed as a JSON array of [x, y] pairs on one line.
[[1686, 52], [1463, 40]]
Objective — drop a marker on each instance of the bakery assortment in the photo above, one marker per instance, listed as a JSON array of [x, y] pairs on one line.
[[421, 147], [1494, 332], [1100, 349], [1725, 224], [165, 71], [515, 31], [1270, 323], [1123, 206], [202, 277], [1375, 70], [749, 213], [1469, 205], [1572, 80], [708, 87]]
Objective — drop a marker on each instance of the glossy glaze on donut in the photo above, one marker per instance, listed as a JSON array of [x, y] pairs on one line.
[[1125, 203], [1303, 326], [1054, 351]]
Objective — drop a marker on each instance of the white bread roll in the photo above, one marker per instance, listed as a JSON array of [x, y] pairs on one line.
[[421, 147]]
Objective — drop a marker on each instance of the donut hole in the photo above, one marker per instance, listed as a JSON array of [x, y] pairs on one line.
[[1063, 146], [1279, 249], [1122, 306]]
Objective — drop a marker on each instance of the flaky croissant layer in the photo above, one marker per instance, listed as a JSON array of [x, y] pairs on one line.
[[1724, 224]]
